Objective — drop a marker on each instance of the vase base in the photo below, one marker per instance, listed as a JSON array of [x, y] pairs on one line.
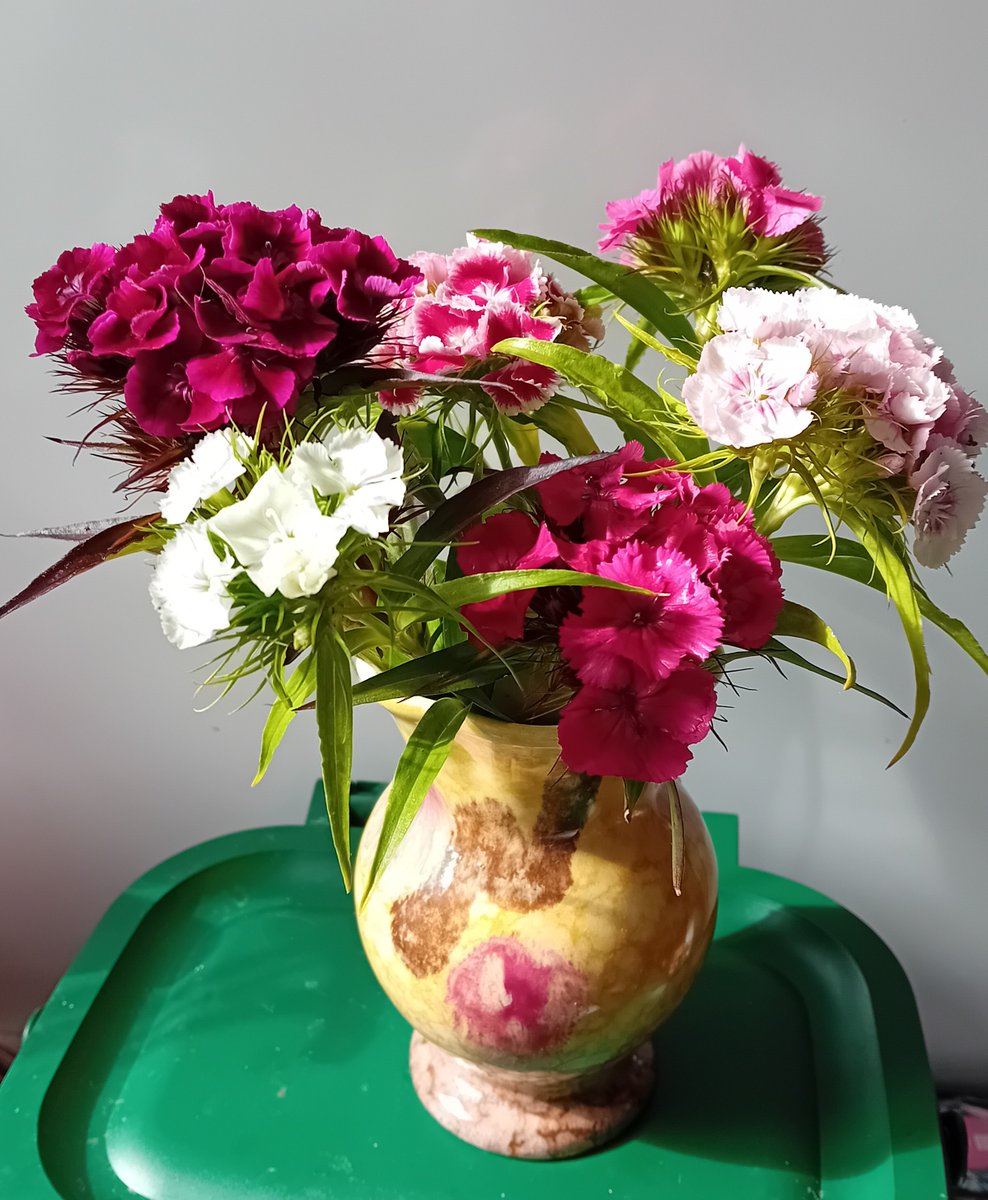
[[529, 1114]]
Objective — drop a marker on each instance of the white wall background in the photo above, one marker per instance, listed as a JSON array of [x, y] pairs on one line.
[[420, 120]]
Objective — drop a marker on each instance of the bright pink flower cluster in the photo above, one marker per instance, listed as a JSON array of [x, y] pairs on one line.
[[643, 696], [712, 221], [474, 298], [222, 312], [745, 184]]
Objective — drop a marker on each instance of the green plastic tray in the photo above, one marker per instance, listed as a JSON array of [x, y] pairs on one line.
[[220, 1037]]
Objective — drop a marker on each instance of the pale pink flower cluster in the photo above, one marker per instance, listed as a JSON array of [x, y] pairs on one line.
[[470, 300], [781, 358]]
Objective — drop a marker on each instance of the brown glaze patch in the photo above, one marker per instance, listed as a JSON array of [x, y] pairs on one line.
[[491, 853]]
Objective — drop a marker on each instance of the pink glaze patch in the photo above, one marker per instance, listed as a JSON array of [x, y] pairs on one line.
[[505, 998]]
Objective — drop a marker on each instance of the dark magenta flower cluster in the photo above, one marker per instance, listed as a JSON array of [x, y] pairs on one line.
[[222, 314]]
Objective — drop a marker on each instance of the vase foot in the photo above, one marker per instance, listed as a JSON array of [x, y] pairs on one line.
[[536, 1115]]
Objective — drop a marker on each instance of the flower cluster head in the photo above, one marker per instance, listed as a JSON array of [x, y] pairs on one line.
[[470, 300], [286, 532], [704, 577], [222, 314], [711, 221], [839, 375]]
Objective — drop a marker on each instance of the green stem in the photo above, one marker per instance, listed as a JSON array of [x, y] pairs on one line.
[[790, 496]]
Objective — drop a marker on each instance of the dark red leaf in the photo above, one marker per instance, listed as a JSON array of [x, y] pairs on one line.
[[469, 505], [87, 554]]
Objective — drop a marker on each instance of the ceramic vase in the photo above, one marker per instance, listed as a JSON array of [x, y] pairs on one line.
[[531, 935]]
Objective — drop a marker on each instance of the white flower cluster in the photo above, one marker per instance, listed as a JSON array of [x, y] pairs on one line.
[[278, 535]]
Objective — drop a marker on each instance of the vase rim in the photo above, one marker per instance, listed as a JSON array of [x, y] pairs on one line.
[[504, 733]]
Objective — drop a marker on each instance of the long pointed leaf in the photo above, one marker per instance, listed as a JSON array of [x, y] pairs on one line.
[[853, 562], [462, 665], [298, 689], [638, 346], [620, 392], [644, 296], [566, 425], [777, 652], [524, 441], [470, 505], [643, 339], [334, 720], [474, 589], [903, 596], [420, 763], [799, 622], [102, 546]]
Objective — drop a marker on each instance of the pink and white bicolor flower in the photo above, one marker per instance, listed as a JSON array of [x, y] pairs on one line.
[[747, 392]]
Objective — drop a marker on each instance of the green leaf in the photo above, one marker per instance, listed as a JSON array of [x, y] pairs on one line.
[[799, 622], [903, 595], [619, 391], [635, 289], [676, 835], [334, 720], [420, 763], [853, 562], [777, 652], [470, 505], [297, 690], [642, 333], [636, 351], [566, 425], [524, 440], [633, 790], [459, 666], [594, 295], [473, 589]]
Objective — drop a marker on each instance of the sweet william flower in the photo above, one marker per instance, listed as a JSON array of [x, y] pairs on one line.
[[280, 536], [950, 495], [216, 462], [360, 467], [68, 295], [509, 541], [643, 637], [748, 393], [638, 732], [610, 498], [744, 579], [711, 221], [189, 588]]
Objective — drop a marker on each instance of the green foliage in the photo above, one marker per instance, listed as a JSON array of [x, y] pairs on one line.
[[637, 291], [853, 562], [474, 589], [420, 763], [447, 670], [636, 351], [297, 691], [565, 424], [639, 411], [799, 622], [334, 720], [775, 652]]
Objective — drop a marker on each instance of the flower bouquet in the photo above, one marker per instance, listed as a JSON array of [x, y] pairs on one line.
[[420, 483]]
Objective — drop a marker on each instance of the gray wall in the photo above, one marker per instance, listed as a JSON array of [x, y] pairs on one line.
[[419, 120]]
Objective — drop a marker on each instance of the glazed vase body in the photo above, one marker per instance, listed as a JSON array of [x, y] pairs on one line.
[[532, 937]]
